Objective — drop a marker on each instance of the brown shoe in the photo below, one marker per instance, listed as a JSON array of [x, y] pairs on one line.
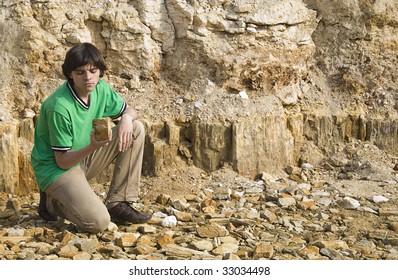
[[123, 212], [43, 208]]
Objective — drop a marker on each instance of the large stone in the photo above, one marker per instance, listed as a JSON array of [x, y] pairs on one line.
[[9, 168]]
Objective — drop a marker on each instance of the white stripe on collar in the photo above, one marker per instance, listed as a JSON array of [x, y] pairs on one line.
[[78, 99]]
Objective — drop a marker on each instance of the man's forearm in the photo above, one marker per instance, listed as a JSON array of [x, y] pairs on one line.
[[68, 159]]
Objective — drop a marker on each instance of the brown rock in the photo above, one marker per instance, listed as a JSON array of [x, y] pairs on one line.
[[212, 230], [331, 244], [82, 256], [144, 249], [310, 252], [67, 251], [68, 236], [165, 240], [126, 240], [263, 250], [183, 216], [102, 129], [384, 212], [163, 199], [306, 205], [393, 227]]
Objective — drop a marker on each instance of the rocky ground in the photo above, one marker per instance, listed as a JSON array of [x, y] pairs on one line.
[[345, 208]]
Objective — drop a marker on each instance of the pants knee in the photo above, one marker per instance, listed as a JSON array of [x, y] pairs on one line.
[[139, 129], [99, 223]]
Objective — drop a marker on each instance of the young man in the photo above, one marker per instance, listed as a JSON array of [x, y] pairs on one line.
[[66, 154]]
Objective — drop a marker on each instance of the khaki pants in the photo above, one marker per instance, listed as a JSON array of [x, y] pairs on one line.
[[71, 197]]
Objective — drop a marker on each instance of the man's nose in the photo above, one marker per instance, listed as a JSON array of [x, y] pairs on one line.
[[87, 75]]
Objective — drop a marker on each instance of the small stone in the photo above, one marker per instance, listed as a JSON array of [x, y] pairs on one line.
[[349, 203], [183, 216], [208, 206], [146, 239], [144, 249], [307, 166], [332, 244], [28, 113], [67, 236], [286, 201], [179, 251], [169, 221], [230, 256], [126, 240], [263, 251], [331, 253], [290, 169], [243, 95], [269, 216], [367, 209], [146, 229], [393, 227], [226, 248], [324, 201], [82, 256], [6, 214], [384, 212], [102, 128], [86, 245], [165, 240], [67, 251], [222, 193], [310, 252], [163, 199], [314, 227], [180, 204], [331, 228], [212, 230], [305, 205], [202, 245], [16, 232], [379, 199], [112, 227]]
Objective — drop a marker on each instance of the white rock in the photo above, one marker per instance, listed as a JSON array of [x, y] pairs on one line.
[[349, 203], [112, 227], [15, 232], [243, 95], [179, 101], [324, 201], [307, 166], [379, 199], [286, 201], [169, 221]]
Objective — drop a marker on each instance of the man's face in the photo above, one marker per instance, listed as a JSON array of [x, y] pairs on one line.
[[85, 78]]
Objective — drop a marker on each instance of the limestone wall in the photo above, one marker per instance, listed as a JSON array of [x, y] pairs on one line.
[[250, 83]]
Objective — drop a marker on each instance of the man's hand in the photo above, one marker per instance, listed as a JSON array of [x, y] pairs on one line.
[[125, 132], [68, 159]]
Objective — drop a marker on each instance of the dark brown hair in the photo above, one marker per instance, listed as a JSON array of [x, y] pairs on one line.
[[80, 55]]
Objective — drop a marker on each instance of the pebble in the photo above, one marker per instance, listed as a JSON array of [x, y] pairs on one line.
[[379, 199], [169, 221]]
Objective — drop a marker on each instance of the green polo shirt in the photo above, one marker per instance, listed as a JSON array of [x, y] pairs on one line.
[[65, 123]]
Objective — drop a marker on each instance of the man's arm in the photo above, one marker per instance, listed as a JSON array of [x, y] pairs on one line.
[[68, 159]]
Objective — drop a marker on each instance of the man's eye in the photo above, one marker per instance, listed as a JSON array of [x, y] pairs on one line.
[[94, 70]]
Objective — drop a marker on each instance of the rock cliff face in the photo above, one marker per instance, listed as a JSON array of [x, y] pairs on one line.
[[257, 84]]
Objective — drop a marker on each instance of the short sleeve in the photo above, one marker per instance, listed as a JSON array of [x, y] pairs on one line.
[[60, 130], [115, 105]]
